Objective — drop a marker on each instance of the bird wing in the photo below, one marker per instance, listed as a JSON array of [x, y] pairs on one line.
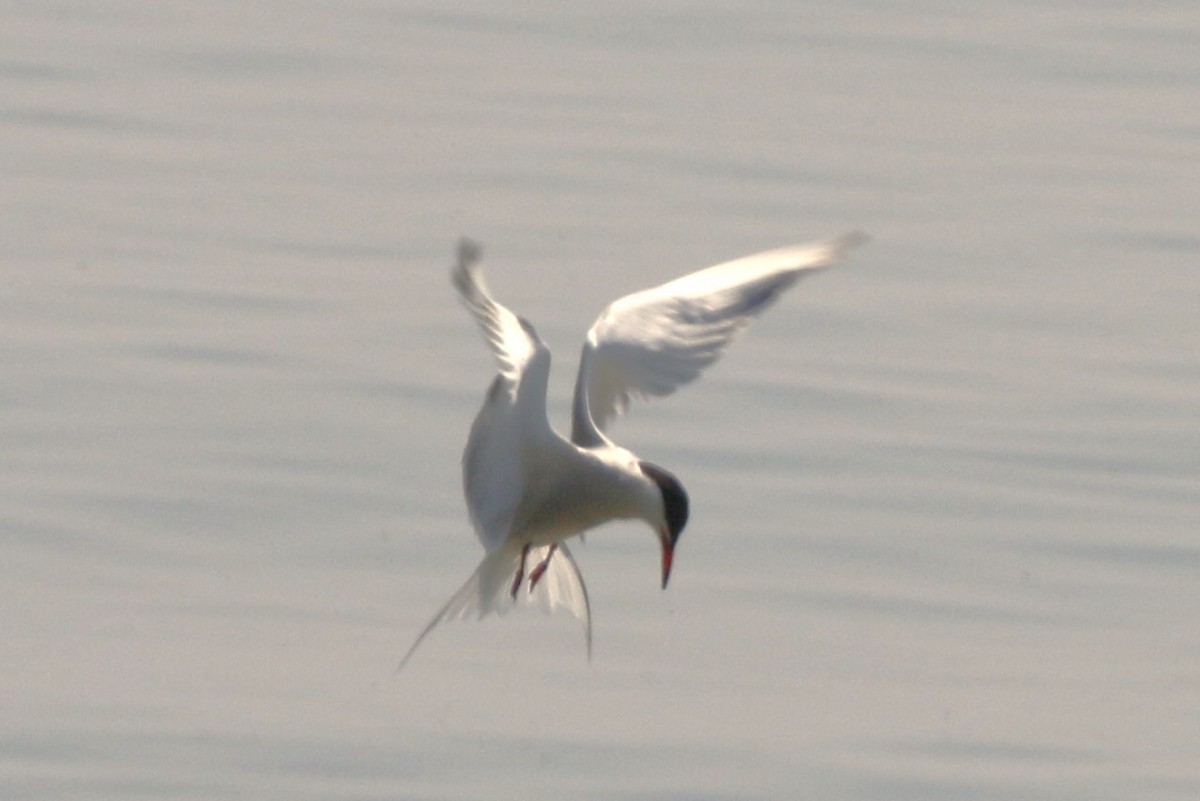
[[513, 413], [652, 342]]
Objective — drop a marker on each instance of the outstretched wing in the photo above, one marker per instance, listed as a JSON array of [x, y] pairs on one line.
[[514, 410], [511, 339], [652, 342]]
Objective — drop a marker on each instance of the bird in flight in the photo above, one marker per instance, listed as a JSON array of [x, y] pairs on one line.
[[528, 488]]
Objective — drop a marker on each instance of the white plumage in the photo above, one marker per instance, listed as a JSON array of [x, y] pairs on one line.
[[528, 489]]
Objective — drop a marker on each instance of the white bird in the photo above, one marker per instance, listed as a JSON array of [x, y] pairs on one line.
[[528, 488]]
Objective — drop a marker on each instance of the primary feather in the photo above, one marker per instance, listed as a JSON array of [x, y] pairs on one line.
[[652, 342], [527, 488]]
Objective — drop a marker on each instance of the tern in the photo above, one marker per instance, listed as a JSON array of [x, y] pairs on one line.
[[528, 488]]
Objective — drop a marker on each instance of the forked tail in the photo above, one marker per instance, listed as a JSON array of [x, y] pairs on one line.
[[489, 590]]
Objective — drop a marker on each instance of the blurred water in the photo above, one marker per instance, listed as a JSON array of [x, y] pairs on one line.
[[944, 539]]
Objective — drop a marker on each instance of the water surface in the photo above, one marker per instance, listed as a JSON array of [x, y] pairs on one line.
[[944, 537]]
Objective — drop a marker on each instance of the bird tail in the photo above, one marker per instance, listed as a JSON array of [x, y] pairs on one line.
[[489, 589], [562, 587]]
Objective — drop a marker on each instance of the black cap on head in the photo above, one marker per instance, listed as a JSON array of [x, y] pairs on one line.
[[674, 498]]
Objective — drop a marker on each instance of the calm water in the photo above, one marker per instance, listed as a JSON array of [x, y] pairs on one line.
[[944, 542]]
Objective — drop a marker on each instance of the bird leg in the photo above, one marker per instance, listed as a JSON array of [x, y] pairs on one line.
[[537, 572], [516, 585]]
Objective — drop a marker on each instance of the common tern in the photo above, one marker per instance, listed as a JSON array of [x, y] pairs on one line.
[[528, 488]]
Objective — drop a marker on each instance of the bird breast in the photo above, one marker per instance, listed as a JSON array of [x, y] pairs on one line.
[[567, 496]]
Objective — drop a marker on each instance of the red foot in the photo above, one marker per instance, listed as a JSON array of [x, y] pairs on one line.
[[537, 572], [516, 585]]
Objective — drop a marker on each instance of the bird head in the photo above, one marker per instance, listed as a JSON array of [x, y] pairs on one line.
[[674, 512]]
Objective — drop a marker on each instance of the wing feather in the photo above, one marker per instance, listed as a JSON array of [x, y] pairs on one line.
[[511, 339], [513, 412], [652, 342]]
